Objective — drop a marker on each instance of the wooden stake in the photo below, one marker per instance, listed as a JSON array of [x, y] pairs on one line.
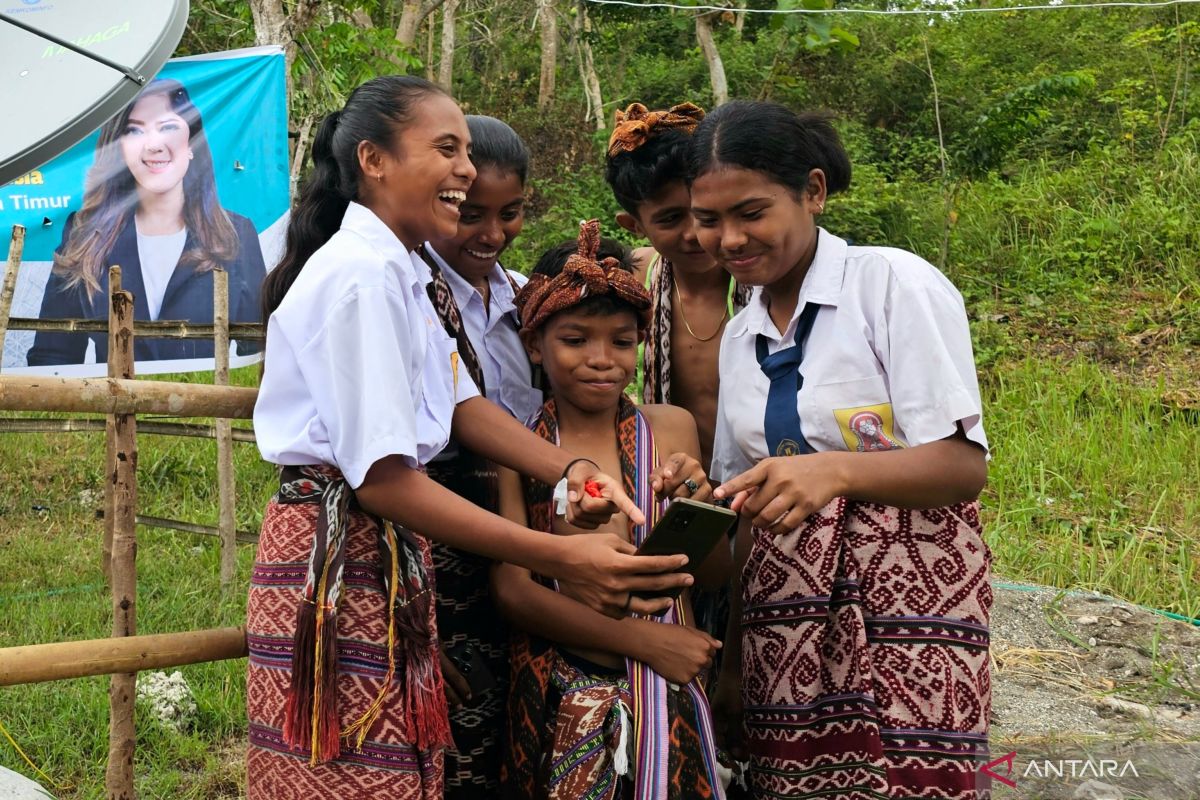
[[121, 525], [15, 249], [225, 489], [61, 660]]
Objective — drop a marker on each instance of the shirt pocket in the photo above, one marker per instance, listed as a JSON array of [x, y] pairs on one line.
[[853, 415]]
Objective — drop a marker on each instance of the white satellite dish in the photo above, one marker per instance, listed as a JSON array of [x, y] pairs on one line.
[[67, 66]]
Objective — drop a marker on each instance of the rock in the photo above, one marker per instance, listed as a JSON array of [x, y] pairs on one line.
[[14, 786], [1126, 707], [1097, 790], [1088, 620]]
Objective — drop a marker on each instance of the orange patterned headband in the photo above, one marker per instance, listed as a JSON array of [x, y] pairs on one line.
[[635, 125], [581, 277]]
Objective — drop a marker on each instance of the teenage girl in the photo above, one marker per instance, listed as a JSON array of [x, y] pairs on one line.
[[849, 433]]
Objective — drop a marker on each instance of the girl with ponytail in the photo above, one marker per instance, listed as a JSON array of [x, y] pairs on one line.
[[361, 388]]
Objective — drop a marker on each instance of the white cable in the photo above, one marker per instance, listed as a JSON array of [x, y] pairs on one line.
[[898, 11]]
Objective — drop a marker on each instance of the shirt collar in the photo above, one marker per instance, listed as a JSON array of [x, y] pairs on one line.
[[363, 221], [500, 289], [822, 285]]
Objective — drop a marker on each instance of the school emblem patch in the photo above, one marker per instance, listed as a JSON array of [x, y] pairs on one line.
[[787, 447], [867, 429]]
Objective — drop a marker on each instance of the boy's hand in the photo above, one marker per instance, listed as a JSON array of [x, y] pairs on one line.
[[594, 497], [600, 571], [677, 652], [681, 476]]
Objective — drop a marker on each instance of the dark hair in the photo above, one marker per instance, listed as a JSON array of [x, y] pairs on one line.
[[375, 112], [494, 144], [110, 198], [772, 139], [553, 260], [636, 176]]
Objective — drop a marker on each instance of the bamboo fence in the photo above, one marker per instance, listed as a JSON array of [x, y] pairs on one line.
[[122, 399]]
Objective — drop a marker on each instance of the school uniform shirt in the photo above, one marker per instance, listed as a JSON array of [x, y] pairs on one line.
[[888, 362], [357, 365], [507, 373]]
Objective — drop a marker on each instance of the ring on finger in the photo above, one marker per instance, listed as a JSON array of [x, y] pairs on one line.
[[628, 601], [692, 486]]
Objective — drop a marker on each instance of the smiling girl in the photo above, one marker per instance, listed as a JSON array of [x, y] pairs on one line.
[[150, 205], [361, 388], [850, 434], [473, 295]]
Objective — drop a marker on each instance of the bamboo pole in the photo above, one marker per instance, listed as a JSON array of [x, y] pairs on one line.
[[226, 522], [243, 537], [116, 396], [16, 248], [158, 329], [37, 663], [82, 425], [121, 526]]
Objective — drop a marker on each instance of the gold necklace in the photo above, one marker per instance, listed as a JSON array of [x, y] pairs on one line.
[[692, 333]]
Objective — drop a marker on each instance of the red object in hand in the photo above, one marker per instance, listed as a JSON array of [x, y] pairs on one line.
[[592, 488]]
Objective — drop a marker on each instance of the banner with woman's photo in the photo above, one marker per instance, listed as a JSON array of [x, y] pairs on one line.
[[190, 177]]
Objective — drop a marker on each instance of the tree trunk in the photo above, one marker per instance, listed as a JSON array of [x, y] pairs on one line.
[[587, 65], [274, 25], [412, 14], [716, 69], [548, 23], [429, 40], [446, 65]]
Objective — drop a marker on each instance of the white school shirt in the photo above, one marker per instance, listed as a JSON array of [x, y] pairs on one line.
[[888, 363], [507, 374], [357, 365]]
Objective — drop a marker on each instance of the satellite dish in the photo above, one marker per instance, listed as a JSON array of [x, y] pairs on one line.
[[67, 66]]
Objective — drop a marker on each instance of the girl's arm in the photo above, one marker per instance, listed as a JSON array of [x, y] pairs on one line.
[[601, 566], [779, 493], [677, 655]]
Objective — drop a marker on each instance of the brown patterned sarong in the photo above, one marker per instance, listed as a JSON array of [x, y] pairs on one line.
[[386, 765], [865, 655]]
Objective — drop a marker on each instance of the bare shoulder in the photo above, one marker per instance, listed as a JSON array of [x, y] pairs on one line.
[[640, 259], [674, 428]]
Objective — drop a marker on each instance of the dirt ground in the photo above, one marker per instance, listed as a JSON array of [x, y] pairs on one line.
[[1093, 698]]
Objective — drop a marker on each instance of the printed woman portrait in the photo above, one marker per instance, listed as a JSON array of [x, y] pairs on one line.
[[150, 206]]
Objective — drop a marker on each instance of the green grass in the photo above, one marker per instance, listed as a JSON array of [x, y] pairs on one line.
[[1092, 483]]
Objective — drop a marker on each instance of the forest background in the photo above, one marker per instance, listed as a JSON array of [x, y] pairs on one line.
[[1046, 161]]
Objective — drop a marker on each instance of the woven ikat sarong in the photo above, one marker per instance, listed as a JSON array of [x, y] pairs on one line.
[[386, 766], [865, 655]]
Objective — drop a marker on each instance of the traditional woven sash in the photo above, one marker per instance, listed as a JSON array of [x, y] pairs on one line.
[[311, 716], [648, 689]]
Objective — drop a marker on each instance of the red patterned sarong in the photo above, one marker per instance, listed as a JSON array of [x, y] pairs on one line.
[[386, 766], [865, 655]]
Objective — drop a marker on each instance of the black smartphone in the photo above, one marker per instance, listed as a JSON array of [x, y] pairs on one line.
[[691, 528], [468, 660]]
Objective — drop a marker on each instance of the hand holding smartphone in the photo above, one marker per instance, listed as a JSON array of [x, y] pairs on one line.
[[691, 528]]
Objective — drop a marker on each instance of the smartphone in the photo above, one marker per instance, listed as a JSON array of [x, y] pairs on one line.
[[468, 660], [691, 528]]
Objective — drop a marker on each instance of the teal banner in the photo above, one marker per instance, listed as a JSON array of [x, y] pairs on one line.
[[190, 177]]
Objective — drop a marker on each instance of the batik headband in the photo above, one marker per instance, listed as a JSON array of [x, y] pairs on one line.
[[635, 125], [581, 277]]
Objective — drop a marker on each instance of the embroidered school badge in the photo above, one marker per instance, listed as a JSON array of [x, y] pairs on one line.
[[867, 429], [787, 447]]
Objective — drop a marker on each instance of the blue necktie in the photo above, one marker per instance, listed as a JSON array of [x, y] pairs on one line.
[[782, 419]]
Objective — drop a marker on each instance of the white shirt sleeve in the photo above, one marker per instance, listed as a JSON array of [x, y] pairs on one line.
[[363, 337], [929, 361]]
